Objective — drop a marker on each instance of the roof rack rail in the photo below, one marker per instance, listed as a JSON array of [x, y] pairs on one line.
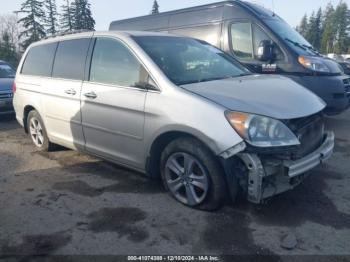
[[68, 33]]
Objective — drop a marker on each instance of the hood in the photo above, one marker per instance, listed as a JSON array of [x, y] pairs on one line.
[[273, 96], [6, 84]]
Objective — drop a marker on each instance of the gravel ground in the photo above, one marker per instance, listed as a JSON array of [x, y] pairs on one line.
[[66, 203]]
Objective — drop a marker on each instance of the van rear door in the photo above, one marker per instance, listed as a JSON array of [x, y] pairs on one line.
[[61, 100]]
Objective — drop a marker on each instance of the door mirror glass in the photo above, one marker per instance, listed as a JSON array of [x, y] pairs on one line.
[[266, 51]]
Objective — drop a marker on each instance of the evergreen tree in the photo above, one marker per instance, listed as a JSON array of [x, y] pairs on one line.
[[32, 22], [155, 8], [328, 28], [303, 27], [8, 49], [67, 17], [51, 18], [342, 22], [83, 19], [314, 31], [319, 30]]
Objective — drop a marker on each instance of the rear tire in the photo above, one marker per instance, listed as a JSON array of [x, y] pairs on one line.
[[193, 175], [37, 132]]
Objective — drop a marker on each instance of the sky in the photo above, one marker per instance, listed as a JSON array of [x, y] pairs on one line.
[[105, 11]]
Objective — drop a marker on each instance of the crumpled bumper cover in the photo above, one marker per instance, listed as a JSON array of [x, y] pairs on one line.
[[320, 155], [269, 178]]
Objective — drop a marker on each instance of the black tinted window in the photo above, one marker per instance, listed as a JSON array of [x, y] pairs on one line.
[[70, 59], [113, 63], [39, 60]]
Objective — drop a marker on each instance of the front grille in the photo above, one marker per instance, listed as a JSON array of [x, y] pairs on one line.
[[310, 132]]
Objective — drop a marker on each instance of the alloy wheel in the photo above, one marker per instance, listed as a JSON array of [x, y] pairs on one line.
[[36, 132], [186, 178]]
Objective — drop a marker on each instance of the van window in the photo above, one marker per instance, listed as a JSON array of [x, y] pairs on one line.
[[246, 39], [70, 59], [113, 63], [258, 36], [39, 60], [241, 34], [209, 33]]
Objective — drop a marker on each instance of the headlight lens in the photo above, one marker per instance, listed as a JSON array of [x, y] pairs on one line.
[[261, 131], [313, 63]]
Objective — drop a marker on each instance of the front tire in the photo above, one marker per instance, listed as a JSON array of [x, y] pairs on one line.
[[192, 174], [37, 132]]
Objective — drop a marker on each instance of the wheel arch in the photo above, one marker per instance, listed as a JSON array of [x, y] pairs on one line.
[[160, 143], [26, 111]]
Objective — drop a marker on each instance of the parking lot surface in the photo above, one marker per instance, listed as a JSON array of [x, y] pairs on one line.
[[66, 203]]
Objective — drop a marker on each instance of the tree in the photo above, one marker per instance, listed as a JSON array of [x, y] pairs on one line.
[[32, 21], [303, 26], [8, 49], [155, 8], [328, 26], [8, 24], [51, 18], [342, 22], [83, 19], [314, 29], [67, 17]]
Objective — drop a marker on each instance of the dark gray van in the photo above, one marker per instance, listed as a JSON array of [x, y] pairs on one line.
[[259, 39]]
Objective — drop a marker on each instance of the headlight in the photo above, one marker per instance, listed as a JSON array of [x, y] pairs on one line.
[[261, 131], [313, 63]]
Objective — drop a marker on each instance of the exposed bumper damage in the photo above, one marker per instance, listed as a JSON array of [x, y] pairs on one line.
[[269, 176]]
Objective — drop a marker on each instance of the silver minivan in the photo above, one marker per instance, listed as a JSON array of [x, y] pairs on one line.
[[174, 108]]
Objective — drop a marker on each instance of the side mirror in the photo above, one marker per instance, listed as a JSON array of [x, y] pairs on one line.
[[265, 51]]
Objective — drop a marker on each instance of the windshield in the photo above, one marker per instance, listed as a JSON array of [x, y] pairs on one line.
[[282, 29], [6, 71], [185, 60]]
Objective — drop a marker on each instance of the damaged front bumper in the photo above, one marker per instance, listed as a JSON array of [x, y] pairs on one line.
[[269, 176]]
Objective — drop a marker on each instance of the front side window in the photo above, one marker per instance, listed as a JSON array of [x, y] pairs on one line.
[[185, 60], [70, 59], [246, 39], [6, 71], [241, 34], [113, 63], [39, 60]]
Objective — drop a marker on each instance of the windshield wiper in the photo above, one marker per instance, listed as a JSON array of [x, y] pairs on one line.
[[303, 46], [296, 44]]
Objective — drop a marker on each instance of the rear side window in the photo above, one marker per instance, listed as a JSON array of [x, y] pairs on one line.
[[113, 63], [70, 59], [39, 60]]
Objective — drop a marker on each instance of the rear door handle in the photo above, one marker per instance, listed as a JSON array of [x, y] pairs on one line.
[[70, 92], [91, 95]]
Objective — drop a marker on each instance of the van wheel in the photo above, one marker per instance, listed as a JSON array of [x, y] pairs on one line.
[[192, 175], [37, 132]]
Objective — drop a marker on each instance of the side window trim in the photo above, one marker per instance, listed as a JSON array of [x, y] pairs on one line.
[[88, 61], [89, 64], [54, 58]]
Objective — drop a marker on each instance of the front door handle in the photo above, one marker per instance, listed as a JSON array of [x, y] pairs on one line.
[[70, 92], [91, 95]]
